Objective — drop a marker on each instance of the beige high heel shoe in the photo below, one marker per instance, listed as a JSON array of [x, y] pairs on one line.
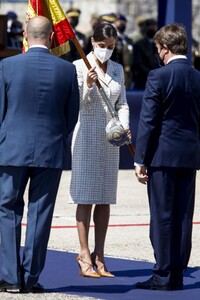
[[85, 273], [101, 269]]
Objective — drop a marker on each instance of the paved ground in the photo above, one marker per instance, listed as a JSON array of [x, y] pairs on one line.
[[129, 221]]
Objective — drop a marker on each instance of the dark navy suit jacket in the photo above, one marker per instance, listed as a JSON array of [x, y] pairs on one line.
[[39, 103], [168, 131]]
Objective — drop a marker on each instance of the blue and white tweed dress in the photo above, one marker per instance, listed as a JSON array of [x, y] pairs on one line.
[[95, 161]]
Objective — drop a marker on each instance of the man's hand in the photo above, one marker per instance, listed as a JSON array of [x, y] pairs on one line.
[[141, 174]]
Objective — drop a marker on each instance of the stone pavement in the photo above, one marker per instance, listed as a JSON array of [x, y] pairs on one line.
[[128, 232]]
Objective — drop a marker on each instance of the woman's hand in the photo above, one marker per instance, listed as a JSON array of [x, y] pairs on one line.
[[91, 77], [128, 133]]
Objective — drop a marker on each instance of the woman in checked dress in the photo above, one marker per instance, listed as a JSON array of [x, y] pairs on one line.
[[94, 160]]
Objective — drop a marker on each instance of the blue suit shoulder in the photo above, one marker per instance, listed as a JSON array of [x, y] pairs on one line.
[[41, 51], [63, 62], [173, 64]]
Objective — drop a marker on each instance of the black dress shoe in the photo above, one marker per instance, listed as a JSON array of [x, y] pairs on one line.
[[9, 287], [36, 288], [176, 286], [153, 284]]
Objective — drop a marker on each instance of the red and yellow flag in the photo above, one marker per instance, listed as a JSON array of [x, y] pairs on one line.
[[61, 27]]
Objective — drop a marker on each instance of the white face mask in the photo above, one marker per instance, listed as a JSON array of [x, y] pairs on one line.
[[102, 54]]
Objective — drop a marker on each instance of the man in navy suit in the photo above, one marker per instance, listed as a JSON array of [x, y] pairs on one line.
[[168, 155], [39, 103]]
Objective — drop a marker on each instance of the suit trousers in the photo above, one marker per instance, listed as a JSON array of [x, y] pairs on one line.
[[42, 191], [171, 193]]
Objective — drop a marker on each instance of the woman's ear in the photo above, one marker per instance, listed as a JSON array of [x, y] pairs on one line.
[[92, 42]]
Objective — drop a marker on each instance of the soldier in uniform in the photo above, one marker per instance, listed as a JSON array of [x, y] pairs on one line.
[[14, 31], [73, 15], [145, 55], [95, 20], [123, 52]]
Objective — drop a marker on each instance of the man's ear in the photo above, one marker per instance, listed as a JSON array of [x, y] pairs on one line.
[[51, 36], [165, 47], [25, 35]]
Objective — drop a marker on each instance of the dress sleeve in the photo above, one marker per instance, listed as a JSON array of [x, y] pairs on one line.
[[121, 105], [85, 92]]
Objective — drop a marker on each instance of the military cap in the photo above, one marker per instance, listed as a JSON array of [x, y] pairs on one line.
[[140, 20], [121, 17], [151, 21], [110, 18], [73, 12], [12, 15]]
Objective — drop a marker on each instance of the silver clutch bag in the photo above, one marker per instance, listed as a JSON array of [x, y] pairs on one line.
[[115, 133]]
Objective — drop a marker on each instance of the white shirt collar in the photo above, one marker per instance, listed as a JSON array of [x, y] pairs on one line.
[[177, 57], [38, 46]]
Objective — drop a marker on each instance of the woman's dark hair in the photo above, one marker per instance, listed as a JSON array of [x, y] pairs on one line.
[[104, 31], [174, 37]]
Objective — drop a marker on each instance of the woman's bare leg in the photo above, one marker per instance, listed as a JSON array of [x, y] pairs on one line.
[[83, 217], [101, 220]]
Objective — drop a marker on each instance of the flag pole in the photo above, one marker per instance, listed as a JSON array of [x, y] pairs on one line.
[[83, 56]]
